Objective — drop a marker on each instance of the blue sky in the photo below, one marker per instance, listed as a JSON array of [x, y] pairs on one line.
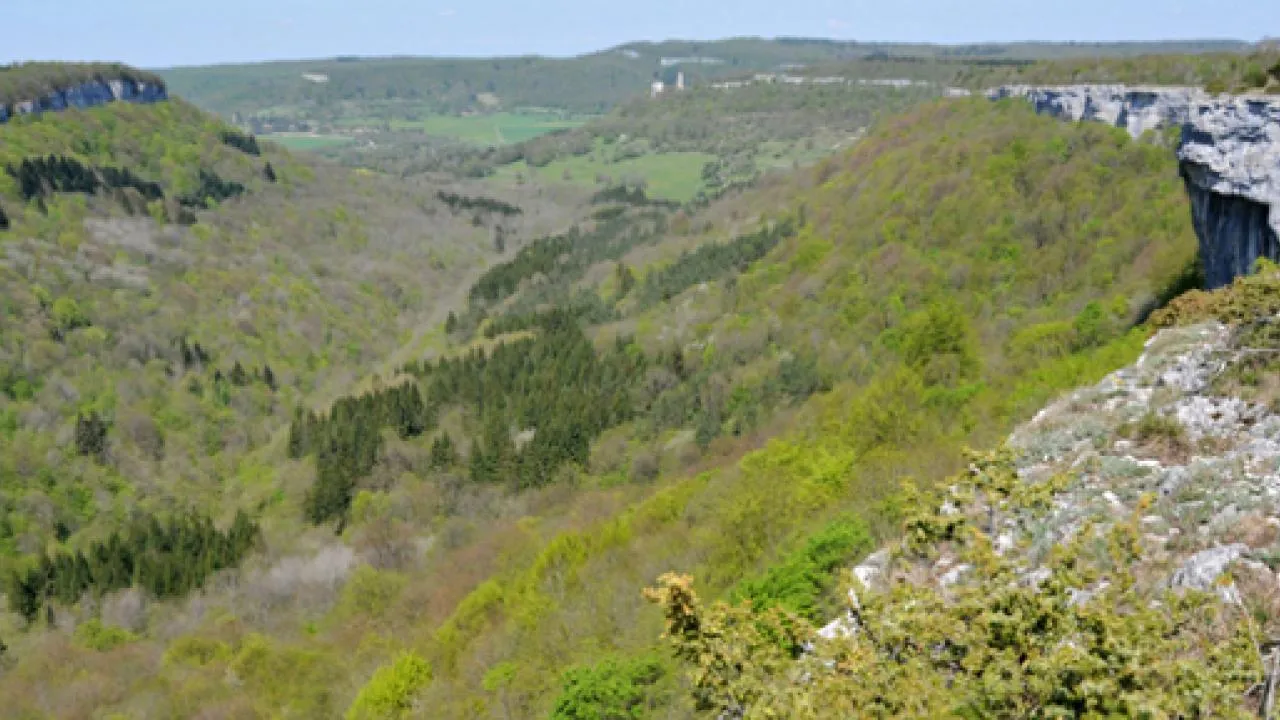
[[155, 33]]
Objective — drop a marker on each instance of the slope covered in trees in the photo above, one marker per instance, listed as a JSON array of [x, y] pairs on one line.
[[806, 344], [171, 290], [589, 83], [1254, 71], [917, 288]]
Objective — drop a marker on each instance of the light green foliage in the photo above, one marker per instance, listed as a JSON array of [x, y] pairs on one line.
[[97, 636], [308, 141], [940, 251], [1215, 71], [780, 389], [67, 314], [489, 129], [1248, 298], [196, 651], [938, 342], [370, 592], [389, 694], [989, 647], [670, 175], [804, 582], [613, 689]]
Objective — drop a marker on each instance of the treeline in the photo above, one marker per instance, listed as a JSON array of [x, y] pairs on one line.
[[586, 307], [247, 144], [168, 559], [538, 257], [346, 442], [212, 188], [539, 402], [631, 196], [458, 202], [712, 261], [41, 176], [567, 255], [1217, 72]]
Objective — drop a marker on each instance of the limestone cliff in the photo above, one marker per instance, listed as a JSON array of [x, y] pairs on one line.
[[1229, 150], [86, 95]]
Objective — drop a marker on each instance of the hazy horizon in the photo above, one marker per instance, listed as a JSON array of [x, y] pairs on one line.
[[155, 33]]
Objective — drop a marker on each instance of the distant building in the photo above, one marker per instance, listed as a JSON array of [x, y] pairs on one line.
[[659, 87]]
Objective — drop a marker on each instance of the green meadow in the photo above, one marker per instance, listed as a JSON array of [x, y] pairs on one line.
[[306, 142], [670, 176], [491, 129]]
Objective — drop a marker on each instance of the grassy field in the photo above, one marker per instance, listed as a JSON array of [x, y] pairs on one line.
[[494, 129], [671, 176], [305, 141]]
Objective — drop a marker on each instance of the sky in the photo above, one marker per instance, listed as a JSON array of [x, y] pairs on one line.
[[160, 33]]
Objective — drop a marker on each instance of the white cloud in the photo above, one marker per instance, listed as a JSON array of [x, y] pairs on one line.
[[448, 12]]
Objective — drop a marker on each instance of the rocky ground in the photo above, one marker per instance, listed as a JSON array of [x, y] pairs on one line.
[[1187, 438], [1175, 428]]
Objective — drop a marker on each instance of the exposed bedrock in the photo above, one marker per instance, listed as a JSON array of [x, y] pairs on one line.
[[86, 95]]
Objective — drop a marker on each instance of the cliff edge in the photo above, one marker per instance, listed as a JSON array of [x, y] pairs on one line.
[[53, 87], [1228, 150]]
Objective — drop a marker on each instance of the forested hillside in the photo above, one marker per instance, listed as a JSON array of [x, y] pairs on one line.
[[172, 290], [913, 300], [589, 83], [1237, 72], [734, 390], [411, 115], [739, 132]]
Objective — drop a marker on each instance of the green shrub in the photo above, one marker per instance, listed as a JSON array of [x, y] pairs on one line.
[[97, 636], [804, 582], [613, 689], [389, 694]]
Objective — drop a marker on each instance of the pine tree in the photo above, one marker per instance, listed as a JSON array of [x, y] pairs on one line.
[[91, 436], [625, 278], [443, 454]]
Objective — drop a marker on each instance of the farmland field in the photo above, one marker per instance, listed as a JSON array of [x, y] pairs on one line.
[[491, 129], [307, 141], [670, 176]]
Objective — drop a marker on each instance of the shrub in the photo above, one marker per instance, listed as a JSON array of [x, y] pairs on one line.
[[390, 692], [990, 646], [96, 636], [614, 689]]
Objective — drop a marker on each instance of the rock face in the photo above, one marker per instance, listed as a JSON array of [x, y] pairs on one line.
[[1229, 153], [86, 95]]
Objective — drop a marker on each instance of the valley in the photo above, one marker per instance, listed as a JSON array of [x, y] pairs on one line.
[[404, 387]]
